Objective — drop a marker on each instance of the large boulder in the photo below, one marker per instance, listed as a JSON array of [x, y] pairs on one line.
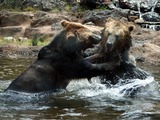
[[19, 51], [99, 17], [44, 19], [44, 31], [10, 31], [14, 19], [148, 53], [146, 46], [45, 5]]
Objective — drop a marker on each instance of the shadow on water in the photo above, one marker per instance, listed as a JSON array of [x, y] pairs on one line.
[[81, 100]]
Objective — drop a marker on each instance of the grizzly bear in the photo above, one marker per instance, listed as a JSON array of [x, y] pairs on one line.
[[115, 44], [60, 61]]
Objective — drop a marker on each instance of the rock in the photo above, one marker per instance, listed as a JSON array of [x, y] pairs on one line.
[[99, 17], [156, 39], [56, 26], [40, 31], [151, 16], [91, 4], [145, 5], [45, 5], [1, 1], [9, 38], [10, 31], [22, 39], [132, 18], [32, 3], [19, 51], [149, 53], [45, 19], [157, 7], [14, 19], [29, 32], [146, 45], [40, 14]]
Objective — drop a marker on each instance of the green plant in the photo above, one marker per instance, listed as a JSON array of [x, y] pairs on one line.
[[35, 40], [29, 8], [54, 9], [43, 40], [101, 7], [67, 8], [40, 40]]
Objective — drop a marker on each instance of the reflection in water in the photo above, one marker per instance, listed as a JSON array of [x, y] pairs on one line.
[[10, 68], [127, 100]]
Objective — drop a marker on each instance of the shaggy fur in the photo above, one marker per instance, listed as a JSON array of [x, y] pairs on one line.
[[115, 44], [60, 61]]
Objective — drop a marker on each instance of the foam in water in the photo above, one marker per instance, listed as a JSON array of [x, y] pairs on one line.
[[153, 3], [139, 6], [121, 89], [152, 27]]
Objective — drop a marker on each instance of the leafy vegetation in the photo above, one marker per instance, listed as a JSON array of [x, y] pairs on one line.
[[36, 41], [29, 8], [68, 7]]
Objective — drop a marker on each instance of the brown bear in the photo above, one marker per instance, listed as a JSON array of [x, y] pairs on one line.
[[60, 61], [115, 44]]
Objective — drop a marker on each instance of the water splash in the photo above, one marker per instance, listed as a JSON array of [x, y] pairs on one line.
[[152, 27], [153, 4], [121, 89], [139, 9]]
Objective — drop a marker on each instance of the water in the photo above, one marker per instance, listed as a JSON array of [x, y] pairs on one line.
[[152, 27], [127, 100], [151, 4], [139, 9]]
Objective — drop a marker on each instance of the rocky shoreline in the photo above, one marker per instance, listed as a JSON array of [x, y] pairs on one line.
[[146, 42], [146, 48]]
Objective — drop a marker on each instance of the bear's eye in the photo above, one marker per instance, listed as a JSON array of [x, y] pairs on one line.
[[75, 31], [109, 33], [116, 36]]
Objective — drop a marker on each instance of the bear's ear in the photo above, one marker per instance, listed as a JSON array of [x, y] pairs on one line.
[[131, 27], [65, 23], [68, 24], [70, 34]]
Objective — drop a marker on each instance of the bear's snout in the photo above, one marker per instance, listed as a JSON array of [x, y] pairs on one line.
[[110, 42], [109, 46], [95, 38]]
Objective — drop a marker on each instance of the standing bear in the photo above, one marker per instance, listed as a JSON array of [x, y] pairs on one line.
[[115, 44], [61, 61]]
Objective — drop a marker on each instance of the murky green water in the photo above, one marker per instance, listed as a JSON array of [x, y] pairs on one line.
[[81, 101]]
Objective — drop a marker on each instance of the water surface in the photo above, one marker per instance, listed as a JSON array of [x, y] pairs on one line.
[[128, 100]]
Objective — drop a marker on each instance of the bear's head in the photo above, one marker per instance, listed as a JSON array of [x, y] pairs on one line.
[[117, 35], [78, 37]]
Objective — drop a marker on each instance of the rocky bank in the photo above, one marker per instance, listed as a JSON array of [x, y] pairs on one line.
[[146, 42]]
